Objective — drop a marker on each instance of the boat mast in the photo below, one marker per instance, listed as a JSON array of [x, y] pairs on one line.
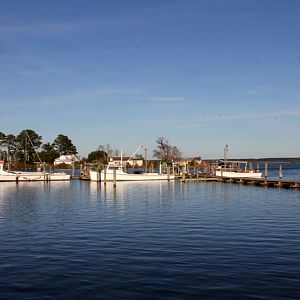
[[32, 146], [134, 153], [121, 159]]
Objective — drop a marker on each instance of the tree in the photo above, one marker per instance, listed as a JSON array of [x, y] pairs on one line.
[[166, 152], [11, 143], [3, 153], [48, 154], [28, 142], [98, 155], [63, 145], [109, 150], [2, 136]]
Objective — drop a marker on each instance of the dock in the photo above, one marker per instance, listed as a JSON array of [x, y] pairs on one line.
[[263, 182]]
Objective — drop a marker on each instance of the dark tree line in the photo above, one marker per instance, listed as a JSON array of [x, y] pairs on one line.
[[28, 147]]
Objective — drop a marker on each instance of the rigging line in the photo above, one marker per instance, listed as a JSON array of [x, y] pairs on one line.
[[33, 146]]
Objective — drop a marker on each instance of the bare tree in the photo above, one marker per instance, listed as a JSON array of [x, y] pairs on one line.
[[109, 150], [165, 151]]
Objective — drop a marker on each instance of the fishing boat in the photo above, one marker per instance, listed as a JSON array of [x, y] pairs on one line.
[[31, 176], [237, 173], [115, 172], [108, 175], [236, 168]]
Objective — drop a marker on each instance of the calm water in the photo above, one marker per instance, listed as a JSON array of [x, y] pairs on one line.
[[159, 240]]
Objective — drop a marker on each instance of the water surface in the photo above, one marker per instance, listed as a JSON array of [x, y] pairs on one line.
[[155, 240]]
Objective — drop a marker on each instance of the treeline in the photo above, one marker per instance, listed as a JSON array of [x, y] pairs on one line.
[[28, 147]]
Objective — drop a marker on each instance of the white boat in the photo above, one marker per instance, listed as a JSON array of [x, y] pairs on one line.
[[232, 168], [236, 173], [108, 174], [30, 176]]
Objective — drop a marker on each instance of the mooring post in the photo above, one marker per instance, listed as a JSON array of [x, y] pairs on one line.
[[105, 175], [73, 169], [115, 177], [266, 169], [97, 169], [183, 173], [280, 171]]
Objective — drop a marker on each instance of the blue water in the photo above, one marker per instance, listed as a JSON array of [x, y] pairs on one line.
[[156, 240]]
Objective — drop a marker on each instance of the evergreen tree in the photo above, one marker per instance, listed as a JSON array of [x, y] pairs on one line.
[[63, 145], [27, 143]]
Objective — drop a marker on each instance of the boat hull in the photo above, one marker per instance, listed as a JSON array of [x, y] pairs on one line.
[[232, 174], [33, 176], [122, 176]]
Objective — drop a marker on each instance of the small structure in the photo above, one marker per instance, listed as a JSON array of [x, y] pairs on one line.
[[122, 161], [66, 159]]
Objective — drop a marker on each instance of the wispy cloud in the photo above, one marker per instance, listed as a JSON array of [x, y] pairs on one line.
[[57, 27], [167, 99], [75, 97], [255, 115], [204, 120], [260, 90]]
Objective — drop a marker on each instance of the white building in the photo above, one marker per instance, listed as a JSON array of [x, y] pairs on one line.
[[66, 159]]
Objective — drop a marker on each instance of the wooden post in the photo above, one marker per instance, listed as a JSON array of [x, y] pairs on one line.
[[105, 175], [115, 177], [168, 172], [280, 171], [44, 171], [266, 169], [73, 169], [97, 170], [183, 173]]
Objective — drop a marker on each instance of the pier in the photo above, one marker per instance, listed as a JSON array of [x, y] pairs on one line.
[[263, 182]]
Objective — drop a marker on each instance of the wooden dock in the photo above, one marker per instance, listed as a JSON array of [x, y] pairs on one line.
[[264, 182]]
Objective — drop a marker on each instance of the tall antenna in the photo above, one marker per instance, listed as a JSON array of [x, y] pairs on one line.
[[226, 150]]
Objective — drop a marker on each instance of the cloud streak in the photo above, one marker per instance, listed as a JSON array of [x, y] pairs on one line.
[[167, 99], [57, 27], [75, 97]]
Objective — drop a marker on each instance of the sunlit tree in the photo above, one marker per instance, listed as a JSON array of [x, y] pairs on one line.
[[166, 152], [63, 145]]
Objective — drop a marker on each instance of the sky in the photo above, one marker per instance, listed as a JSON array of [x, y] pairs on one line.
[[200, 74]]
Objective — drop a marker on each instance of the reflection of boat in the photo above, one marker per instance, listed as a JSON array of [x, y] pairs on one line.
[[30, 176], [108, 174]]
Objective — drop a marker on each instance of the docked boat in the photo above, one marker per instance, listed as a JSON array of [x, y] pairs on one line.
[[31, 176], [115, 172], [108, 175], [237, 173], [236, 168]]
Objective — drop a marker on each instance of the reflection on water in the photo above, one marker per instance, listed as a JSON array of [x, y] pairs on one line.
[[148, 240]]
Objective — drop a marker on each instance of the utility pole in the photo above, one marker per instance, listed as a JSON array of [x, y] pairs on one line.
[[226, 150]]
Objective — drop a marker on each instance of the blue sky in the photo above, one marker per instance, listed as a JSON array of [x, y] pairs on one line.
[[201, 74]]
